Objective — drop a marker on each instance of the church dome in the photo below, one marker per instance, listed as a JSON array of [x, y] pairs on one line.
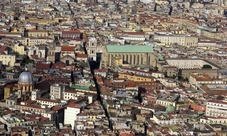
[[170, 109], [26, 77]]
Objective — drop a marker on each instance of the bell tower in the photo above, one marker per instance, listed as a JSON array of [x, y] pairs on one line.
[[92, 49]]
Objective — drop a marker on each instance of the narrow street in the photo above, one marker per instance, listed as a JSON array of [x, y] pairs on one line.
[[93, 66]]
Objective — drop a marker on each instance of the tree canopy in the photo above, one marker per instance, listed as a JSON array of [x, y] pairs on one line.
[[206, 66]]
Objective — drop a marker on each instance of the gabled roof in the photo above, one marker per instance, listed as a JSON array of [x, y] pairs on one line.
[[67, 56]]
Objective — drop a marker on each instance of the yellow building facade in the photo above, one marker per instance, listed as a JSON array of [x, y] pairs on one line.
[[38, 33], [33, 41], [7, 91], [40, 21], [183, 40], [19, 48], [166, 103], [134, 77], [117, 61], [8, 59]]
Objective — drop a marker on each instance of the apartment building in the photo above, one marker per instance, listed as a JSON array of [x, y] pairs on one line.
[[5, 58], [214, 120], [169, 82], [71, 34], [56, 91], [167, 100], [189, 63], [181, 39], [49, 103], [168, 119], [19, 49], [37, 33], [198, 79], [72, 94], [32, 41], [134, 77], [216, 108], [208, 44], [71, 112]]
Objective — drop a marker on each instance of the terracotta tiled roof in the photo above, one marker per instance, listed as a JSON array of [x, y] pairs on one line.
[[126, 134], [58, 65], [67, 48], [2, 49], [101, 70], [81, 55], [35, 56], [43, 65]]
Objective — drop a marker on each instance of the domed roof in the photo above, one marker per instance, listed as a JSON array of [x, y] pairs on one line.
[[170, 109], [26, 77]]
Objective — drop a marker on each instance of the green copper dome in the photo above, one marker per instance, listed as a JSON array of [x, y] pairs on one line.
[[170, 109]]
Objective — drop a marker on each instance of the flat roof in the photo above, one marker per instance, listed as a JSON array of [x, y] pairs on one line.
[[130, 48]]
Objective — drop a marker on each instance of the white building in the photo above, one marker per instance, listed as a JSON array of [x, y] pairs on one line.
[[146, 1], [75, 94], [214, 120], [169, 82], [101, 72], [27, 1], [168, 119], [133, 38], [72, 95], [207, 44], [71, 112], [40, 52], [35, 94], [49, 103], [188, 63], [216, 108], [196, 80], [181, 39], [56, 91], [219, 53]]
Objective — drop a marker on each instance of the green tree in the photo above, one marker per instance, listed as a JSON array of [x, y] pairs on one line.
[[206, 67], [27, 60], [173, 76]]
